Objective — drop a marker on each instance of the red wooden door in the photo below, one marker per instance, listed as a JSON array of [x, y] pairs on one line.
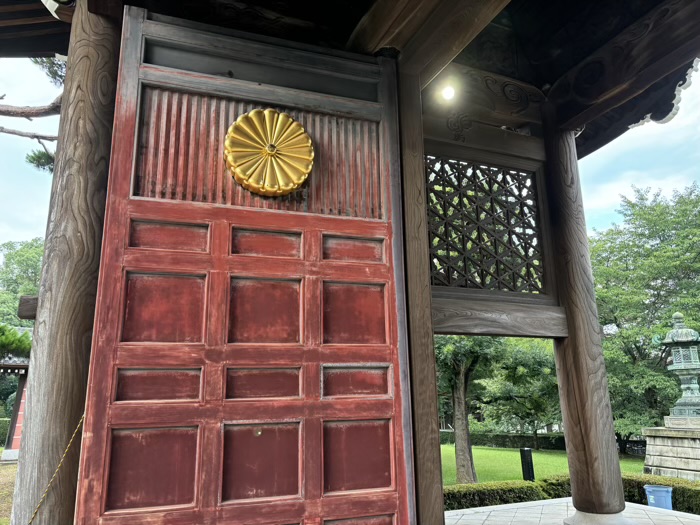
[[247, 365]]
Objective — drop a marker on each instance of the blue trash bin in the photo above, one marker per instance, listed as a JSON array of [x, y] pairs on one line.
[[659, 496]]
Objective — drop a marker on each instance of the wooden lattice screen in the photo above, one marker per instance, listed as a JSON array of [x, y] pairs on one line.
[[483, 223]]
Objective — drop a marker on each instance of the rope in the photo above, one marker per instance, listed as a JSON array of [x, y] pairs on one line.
[[60, 464]]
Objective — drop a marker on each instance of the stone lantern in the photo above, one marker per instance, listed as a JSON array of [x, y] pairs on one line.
[[674, 449], [684, 343]]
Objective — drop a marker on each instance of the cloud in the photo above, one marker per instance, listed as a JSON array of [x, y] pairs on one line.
[[660, 156]]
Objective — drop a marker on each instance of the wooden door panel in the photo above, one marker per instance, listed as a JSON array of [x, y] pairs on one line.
[[246, 365]]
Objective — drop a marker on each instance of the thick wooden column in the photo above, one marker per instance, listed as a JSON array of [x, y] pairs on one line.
[[596, 483], [426, 432], [63, 330]]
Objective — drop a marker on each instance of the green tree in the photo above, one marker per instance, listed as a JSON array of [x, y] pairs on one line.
[[8, 386], [640, 395], [648, 267], [12, 343], [460, 362], [523, 389], [20, 272], [645, 269]]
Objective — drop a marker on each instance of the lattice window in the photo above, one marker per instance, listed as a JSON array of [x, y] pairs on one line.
[[483, 226]]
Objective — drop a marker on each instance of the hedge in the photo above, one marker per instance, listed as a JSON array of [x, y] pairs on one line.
[[4, 429], [686, 494], [495, 493], [551, 441]]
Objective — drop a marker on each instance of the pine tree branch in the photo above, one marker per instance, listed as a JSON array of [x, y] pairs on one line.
[[30, 112], [26, 134]]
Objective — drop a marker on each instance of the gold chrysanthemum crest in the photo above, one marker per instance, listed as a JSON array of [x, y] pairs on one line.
[[268, 152]]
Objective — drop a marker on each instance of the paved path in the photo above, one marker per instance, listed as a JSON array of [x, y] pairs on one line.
[[553, 512]]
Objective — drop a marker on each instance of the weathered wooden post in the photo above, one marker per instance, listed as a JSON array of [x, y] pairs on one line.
[[62, 335], [596, 482]]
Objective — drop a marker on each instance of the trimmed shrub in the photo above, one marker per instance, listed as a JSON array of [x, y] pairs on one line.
[[685, 496], [551, 441], [4, 429], [447, 437], [556, 486], [494, 493]]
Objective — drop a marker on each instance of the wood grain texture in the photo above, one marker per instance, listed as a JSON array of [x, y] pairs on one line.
[[451, 26], [596, 484], [648, 50], [62, 334], [485, 97], [389, 23], [27, 307], [472, 316], [426, 440]]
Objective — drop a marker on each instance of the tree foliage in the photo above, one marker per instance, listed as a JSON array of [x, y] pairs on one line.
[[12, 343], [645, 269], [523, 390], [55, 69], [20, 271], [42, 160]]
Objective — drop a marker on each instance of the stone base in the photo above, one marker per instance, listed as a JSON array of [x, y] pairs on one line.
[[682, 422], [9, 455], [584, 518], [673, 452]]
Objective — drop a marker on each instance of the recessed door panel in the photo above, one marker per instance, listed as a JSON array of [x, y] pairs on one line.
[[246, 365]]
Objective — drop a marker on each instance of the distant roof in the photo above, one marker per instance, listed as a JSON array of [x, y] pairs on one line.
[[28, 29], [14, 365]]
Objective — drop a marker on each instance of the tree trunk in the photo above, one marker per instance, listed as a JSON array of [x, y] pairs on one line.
[[622, 444], [536, 439], [463, 446], [63, 330]]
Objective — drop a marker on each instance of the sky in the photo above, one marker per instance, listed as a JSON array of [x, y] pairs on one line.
[[661, 156]]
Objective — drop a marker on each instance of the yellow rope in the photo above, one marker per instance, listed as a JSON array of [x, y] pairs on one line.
[[60, 464]]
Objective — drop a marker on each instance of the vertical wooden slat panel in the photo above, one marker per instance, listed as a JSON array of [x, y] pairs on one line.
[[181, 157], [163, 143]]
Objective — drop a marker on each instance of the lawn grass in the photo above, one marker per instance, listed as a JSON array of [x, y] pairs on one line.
[[7, 486], [502, 464]]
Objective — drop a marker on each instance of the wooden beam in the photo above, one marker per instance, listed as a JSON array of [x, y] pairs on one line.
[[468, 315], [109, 8], [596, 484], [11, 22], [389, 23], [451, 26], [64, 320], [27, 307], [21, 7], [426, 433], [648, 50]]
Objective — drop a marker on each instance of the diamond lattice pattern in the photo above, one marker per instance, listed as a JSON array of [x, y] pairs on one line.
[[483, 226]]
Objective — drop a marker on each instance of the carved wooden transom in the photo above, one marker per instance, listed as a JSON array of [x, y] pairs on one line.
[[483, 223]]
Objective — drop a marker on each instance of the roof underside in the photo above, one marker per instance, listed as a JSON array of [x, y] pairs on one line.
[[27, 29], [534, 41]]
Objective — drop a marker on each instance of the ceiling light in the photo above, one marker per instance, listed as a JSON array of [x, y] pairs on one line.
[[448, 93]]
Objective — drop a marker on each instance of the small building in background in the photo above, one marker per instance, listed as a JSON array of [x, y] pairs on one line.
[[15, 366]]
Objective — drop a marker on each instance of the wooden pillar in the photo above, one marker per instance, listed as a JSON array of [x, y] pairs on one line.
[[426, 431], [596, 483], [63, 329]]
